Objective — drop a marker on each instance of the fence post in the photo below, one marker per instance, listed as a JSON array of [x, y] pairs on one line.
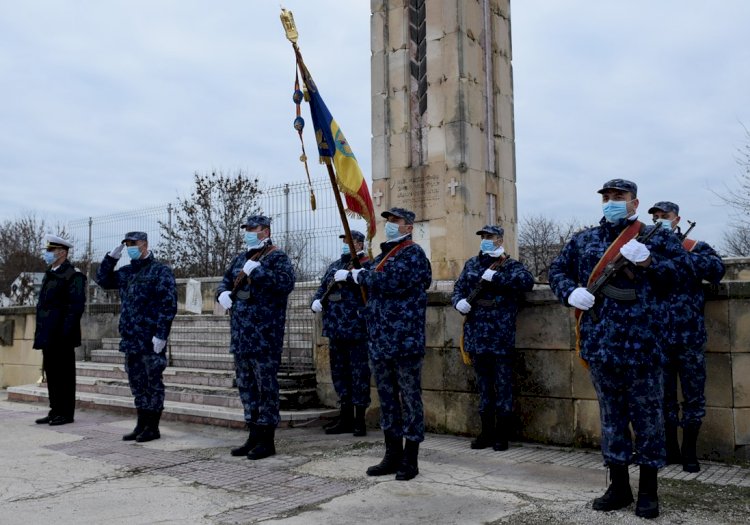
[[286, 217], [89, 261]]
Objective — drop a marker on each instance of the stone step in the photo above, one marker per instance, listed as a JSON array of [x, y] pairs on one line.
[[187, 376], [208, 360], [173, 410], [200, 345]]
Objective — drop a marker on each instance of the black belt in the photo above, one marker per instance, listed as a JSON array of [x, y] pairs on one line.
[[485, 302], [619, 294]]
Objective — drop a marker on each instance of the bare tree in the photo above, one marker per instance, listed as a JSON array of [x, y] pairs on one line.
[[205, 233], [540, 240], [737, 242], [21, 245]]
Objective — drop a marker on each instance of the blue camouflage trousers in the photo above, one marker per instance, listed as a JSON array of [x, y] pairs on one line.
[[258, 386], [399, 382], [494, 374], [145, 379], [350, 371], [689, 364], [630, 394]]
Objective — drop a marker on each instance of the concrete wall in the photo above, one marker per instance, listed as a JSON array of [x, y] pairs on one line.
[[554, 399]]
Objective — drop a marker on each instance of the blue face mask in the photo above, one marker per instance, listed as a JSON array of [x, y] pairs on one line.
[[49, 257], [615, 210], [134, 252], [391, 231], [345, 249], [487, 246], [664, 223], [251, 239]]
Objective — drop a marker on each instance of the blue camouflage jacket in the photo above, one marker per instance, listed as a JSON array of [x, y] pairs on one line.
[[149, 300], [397, 301], [687, 323], [625, 332], [342, 310], [258, 314], [490, 326]]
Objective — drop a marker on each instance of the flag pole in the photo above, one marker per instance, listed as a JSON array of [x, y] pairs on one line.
[[287, 20]]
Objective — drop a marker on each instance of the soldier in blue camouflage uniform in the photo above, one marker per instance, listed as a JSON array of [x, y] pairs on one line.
[[490, 330], [343, 324], [687, 340], [621, 341], [149, 303], [396, 288], [58, 329], [255, 289]]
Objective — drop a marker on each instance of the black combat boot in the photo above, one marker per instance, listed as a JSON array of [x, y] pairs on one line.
[[139, 427], [673, 446], [502, 430], [486, 437], [618, 493], [648, 501], [249, 444], [392, 460], [360, 426], [409, 467], [689, 440], [345, 424], [151, 430], [265, 446]]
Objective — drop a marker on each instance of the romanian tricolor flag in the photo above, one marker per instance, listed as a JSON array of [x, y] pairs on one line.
[[333, 146]]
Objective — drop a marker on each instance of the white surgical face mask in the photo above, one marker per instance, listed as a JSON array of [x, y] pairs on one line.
[[391, 231], [664, 223], [251, 239]]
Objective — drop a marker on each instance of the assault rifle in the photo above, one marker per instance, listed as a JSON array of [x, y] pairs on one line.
[[683, 236], [615, 266], [242, 277], [353, 263], [480, 286]]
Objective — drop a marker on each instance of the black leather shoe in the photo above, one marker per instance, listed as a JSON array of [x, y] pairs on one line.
[[60, 420], [43, 420]]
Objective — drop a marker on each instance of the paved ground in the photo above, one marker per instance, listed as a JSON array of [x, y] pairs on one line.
[[84, 474]]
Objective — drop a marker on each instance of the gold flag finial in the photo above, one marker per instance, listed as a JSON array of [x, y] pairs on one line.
[[287, 20]]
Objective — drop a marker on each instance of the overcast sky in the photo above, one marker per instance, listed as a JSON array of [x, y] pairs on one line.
[[109, 106]]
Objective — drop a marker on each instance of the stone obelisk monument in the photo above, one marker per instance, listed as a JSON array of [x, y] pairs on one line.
[[442, 122]]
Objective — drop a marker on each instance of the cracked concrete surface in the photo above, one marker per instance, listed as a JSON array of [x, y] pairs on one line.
[[84, 473]]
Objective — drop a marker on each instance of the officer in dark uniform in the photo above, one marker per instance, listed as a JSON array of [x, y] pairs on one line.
[[62, 300], [341, 302], [621, 336], [255, 289], [149, 303], [396, 286], [687, 341], [490, 330]]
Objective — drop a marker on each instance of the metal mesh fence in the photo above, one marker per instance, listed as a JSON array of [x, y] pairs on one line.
[[309, 238]]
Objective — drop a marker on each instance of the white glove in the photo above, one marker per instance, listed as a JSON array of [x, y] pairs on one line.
[[115, 253], [635, 251], [355, 274], [159, 344], [463, 306], [316, 306], [488, 274], [250, 265], [225, 300], [581, 298], [340, 275]]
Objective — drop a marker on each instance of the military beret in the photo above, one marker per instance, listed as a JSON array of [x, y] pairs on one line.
[[492, 229], [620, 184], [401, 213], [665, 206], [254, 221], [54, 241], [135, 236], [356, 235]]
